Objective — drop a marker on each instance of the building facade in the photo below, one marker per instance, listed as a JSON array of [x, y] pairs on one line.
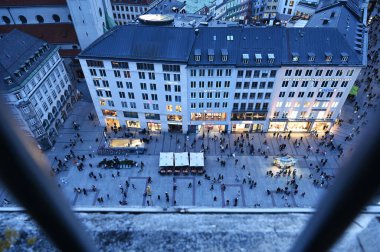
[[36, 86], [231, 78], [125, 11]]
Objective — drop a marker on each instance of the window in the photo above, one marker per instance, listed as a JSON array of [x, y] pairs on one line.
[[240, 73], [227, 84], [105, 83], [344, 84], [124, 104], [193, 105], [252, 96], [127, 74], [45, 106], [334, 104], [320, 94], [153, 86], [177, 77], [145, 66], [201, 84], [193, 72], [210, 72], [278, 104], [228, 72], [6, 19], [256, 74], [119, 65], [243, 106], [119, 84], [324, 83], [245, 95], [339, 73], [329, 94], [108, 93], [288, 72], [155, 107], [177, 88], [264, 74], [301, 94], [131, 95], [200, 105], [334, 84], [262, 85], [329, 72], [99, 93], [238, 85], [319, 73], [225, 104], [339, 94], [291, 94], [270, 84], [122, 94], [92, 72], [309, 72], [258, 106], [310, 94], [56, 18], [208, 104], [133, 105], [285, 83], [218, 84], [102, 72], [152, 76], [217, 95], [202, 72], [219, 72], [141, 75], [350, 72], [168, 98], [111, 103], [298, 72], [193, 84], [146, 106], [235, 106], [294, 83], [237, 96], [143, 86], [282, 94], [315, 83], [128, 85], [216, 104], [22, 19], [39, 19], [225, 95], [246, 85], [171, 68], [304, 83], [144, 96], [273, 73], [94, 63]]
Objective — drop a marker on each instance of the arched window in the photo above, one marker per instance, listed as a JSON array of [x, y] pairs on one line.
[[56, 18], [6, 19], [39, 19], [23, 19], [100, 12]]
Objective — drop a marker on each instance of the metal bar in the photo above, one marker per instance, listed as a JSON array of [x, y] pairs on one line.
[[27, 177], [358, 181]]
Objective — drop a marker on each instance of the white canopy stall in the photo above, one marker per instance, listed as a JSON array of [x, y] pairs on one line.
[[181, 159], [166, 159], [197, 159]]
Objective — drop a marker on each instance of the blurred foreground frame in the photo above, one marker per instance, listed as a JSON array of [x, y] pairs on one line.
[[357, 183], [28, 179]]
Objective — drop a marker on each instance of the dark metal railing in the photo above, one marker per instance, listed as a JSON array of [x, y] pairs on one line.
[[27, 177]]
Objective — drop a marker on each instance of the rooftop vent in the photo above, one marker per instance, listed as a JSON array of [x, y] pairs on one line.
[[325, 21]]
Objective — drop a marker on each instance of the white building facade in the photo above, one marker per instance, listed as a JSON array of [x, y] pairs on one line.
[[39, 91], [220, 80]]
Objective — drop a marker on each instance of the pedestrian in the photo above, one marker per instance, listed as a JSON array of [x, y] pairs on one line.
[[214, 198]]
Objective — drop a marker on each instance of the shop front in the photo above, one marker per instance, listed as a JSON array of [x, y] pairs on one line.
[[133, 124], [174, 127], [276, 126], [247, 127], [154, 126], [321, 126], [211, 128], [298, 126], [112, 122]]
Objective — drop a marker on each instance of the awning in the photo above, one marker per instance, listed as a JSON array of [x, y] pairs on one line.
[[166, 158], [181, 159], [197, 159]]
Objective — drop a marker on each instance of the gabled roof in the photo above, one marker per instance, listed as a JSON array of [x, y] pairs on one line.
[[135, 42]]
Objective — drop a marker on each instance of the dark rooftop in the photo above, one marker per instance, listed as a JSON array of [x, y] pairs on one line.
[[141, 42], [17, 48]]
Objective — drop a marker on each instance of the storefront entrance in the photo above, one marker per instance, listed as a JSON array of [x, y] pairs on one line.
[[154, 126], [110, 122], [133, 124], [277, 126], [298, 126], [211, 128], [321, 126], [175, 128]]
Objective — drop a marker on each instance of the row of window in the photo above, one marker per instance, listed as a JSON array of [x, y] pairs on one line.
[[250, 106], [316, 104], [137, 9], [252, 96], [314, 83], [142, 75], [309, 72], [144, 96], [40, 19], [303, 114], [320, 94]]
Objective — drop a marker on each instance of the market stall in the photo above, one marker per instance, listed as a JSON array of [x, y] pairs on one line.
[[284, 162], [197, 162], [166, 162], [181, 161]]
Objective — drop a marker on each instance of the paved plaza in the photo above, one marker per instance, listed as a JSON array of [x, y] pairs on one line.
[[249, 187]]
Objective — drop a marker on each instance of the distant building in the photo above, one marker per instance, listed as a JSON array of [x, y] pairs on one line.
[[125, 11], [34, 82], [226, 78], [233, 10]]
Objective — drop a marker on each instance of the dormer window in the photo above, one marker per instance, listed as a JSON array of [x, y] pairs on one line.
[[211, 55], [271, 58], [8, 80], [224, 55], [295, 57], [28, 63], [328, 57], [311, 57], [230, 37], [245, 58], [258, 58], [197, 55], [46, 46], [17, 73], [344, 57]]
